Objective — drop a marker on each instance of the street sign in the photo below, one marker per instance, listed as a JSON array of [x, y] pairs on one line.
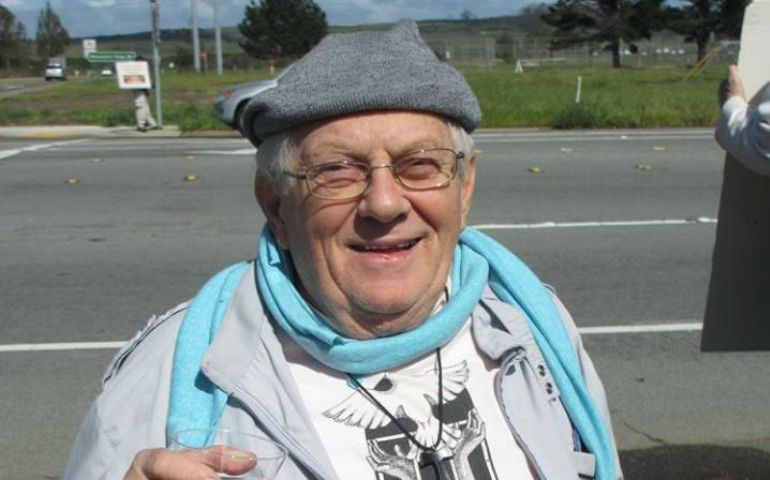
[[110, 57], [89, 46]]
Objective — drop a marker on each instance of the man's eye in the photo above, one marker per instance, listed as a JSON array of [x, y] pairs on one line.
[[337, 172], [421, 166]]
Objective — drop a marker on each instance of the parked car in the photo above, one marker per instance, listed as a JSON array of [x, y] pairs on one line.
[[55, 71], [106, 72], [231, 101]]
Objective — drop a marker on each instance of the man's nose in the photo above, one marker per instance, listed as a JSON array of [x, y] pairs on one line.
[[384, 199]]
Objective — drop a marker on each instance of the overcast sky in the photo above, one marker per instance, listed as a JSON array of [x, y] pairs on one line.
[[103, 17]]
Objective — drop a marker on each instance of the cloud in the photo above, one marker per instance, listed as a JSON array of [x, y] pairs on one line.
[[345, 12], [104, 17]]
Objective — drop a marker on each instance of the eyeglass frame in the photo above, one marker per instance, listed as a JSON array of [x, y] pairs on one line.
[[458, 156]]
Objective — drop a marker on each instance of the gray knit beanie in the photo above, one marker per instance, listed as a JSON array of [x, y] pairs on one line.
[[360, 72]]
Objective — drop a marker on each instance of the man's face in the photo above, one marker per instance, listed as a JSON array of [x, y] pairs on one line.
[[374, 265]]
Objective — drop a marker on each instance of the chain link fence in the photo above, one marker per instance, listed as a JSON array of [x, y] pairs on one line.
[[535, 51]]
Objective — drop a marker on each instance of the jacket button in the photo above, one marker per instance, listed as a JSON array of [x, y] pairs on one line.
[[541, 370], [549, 388]]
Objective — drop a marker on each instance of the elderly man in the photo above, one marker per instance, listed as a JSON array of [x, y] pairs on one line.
[[374, 336]]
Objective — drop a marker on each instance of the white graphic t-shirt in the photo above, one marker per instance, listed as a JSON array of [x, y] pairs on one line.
[[365, 444]]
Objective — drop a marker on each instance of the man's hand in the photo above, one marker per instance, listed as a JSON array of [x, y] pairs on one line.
[[732, 86], [162, 464]]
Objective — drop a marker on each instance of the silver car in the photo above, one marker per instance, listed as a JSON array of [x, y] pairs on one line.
[[231, 101], [55, 71]]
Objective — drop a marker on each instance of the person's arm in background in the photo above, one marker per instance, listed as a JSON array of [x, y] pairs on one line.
[[743, 130]]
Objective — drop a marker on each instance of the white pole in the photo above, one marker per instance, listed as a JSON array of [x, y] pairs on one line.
[[579, 87], [155, 10], [196, 43], [218, 37]]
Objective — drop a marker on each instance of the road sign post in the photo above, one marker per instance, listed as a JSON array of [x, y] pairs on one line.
[[110, 57], [155, 10]]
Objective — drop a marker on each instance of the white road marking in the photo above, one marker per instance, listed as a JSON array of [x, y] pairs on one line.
[[36, 147], [606, 330], [621, 223], [657, 328], [48, 347], [550, 136], [243, 151]]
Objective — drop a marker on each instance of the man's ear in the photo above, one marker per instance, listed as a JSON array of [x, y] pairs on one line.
[[270, 202], [468, 183]]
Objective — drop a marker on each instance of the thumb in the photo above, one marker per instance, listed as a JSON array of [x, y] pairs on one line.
[[229, 460]]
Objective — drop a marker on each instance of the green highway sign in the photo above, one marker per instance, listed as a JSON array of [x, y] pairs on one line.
[[111, 56]]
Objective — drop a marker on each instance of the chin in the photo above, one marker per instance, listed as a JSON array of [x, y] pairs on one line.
[[392, 315]]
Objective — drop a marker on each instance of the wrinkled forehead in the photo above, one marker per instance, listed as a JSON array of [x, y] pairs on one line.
[[393, 132]]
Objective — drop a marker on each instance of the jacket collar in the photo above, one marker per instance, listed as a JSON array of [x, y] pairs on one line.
[[247, 362]]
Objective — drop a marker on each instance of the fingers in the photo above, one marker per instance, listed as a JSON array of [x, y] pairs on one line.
[[735, 83], [162, 464], [722, 92], [228, 460]]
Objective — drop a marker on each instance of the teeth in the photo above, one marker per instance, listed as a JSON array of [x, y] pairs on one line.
[[374, 248]]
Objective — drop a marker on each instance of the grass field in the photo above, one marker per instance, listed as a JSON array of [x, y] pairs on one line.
[[539, 97]]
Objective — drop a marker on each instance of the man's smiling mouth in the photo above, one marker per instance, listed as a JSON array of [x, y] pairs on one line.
[[385, 247]]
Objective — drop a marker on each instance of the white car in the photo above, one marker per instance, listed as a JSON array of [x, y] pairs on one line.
[[55, 71], [106, 72], [230, 102]]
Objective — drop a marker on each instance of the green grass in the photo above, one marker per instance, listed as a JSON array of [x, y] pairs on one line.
[[630, 97], [539, 97]]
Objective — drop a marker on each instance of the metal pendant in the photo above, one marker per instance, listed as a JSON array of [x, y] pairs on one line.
[[438, 459]]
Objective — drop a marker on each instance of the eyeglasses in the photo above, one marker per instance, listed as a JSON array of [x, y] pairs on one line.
[[345, 179]]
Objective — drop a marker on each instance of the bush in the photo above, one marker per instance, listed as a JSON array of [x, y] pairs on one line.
[[582, 115]]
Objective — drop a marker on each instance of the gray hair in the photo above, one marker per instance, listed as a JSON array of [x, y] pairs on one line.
[[278, 152]]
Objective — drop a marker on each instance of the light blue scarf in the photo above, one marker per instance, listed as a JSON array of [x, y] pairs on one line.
[[478, 260], [363, 357]]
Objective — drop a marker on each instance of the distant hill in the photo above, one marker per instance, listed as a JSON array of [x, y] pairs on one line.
[[434, 31]]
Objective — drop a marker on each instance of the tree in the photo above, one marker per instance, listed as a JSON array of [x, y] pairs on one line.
[[281, 28], [732, 17], [12, 38], [467, 17], [605, 22], [700, 20], [51, 38], [183, 57]]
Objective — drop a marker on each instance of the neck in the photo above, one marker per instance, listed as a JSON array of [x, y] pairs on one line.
[[362, 324]]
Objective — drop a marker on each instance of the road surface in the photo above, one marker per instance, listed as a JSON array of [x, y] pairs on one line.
[[620, 223]]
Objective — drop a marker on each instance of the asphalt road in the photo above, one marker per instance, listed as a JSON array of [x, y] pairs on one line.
[[14, 86], [621, 223]]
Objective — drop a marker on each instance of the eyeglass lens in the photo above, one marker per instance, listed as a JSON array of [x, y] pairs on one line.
[[421, 170]]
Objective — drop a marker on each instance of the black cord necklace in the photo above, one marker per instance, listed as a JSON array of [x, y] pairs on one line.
[[436, 455]]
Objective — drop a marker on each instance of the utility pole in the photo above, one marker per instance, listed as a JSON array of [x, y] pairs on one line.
[[155, 10], [217, 36], [196, 43]]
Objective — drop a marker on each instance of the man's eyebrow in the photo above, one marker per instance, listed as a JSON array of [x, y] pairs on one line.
[[341, 147]]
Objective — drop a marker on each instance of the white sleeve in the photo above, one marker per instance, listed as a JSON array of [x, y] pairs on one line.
[[743, 131]]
